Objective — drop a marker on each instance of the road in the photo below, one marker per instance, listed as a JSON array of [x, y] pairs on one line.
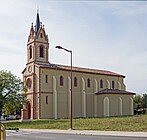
[[35, 135]]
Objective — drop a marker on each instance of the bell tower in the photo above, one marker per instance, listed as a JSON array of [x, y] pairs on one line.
[[38, 44], [37, 54]]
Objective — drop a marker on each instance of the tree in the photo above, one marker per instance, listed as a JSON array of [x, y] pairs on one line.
[[13, 103], [137, 102], [144, 102], [11, 95]]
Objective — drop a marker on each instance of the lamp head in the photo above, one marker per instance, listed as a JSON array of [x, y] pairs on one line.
[[58, 47]]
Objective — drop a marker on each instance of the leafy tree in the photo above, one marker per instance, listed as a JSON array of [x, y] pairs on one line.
[[13, 104], [144, 101], [137, 102], [11, 88]]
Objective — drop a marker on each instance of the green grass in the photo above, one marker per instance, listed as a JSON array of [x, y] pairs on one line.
[[132, 123]]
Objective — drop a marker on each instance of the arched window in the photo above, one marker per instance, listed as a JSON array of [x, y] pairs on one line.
[[28, 83], [75, 82], [41, 51], [88, 82], [101, 83], [113, 85], [61, 80], [41, 35], [30, 52], [106, 107]]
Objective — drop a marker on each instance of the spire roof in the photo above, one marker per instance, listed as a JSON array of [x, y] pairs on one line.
[[37, 26]]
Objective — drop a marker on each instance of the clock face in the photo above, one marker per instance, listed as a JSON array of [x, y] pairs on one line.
[[29, 69]]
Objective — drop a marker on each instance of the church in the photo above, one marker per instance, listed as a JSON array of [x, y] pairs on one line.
[[95, 93]]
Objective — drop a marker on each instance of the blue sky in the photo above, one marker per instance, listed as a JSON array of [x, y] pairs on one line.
[[107, 35]]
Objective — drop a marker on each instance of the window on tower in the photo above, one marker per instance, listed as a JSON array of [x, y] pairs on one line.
[[46, 78], [41, 35], [46, 99], [41, 51], [30, 52]]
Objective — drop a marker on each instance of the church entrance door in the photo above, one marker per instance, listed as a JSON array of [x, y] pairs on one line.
[[29, 109]]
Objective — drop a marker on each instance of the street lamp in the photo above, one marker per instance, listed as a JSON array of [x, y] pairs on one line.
[[60, 47]]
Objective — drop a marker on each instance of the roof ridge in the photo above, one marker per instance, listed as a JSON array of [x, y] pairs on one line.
[[81, 69], [100, 70], [114, 91]]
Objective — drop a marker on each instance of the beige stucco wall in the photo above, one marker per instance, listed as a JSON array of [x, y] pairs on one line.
[[85, 102], [114, 105], [46, 109], [93, 105], [77, 104], [90, 105]]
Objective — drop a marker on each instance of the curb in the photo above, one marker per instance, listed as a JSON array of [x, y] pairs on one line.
[[87, 132]]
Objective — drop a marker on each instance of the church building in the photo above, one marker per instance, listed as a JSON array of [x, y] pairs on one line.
[[95, 93]]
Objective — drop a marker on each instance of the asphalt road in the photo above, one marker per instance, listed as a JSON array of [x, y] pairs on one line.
[[26, 135]]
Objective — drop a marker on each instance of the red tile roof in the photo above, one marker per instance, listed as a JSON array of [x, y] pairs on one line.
[[88, 70], [114, 91], [79, 69]]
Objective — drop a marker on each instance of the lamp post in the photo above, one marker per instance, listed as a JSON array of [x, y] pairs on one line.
[[70, 51]]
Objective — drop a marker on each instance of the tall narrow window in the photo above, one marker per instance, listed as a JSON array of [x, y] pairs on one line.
[[101, 83], [75, 82], [113, 85], [88, 82], [30, 52], [46, 78], [46, 99], [106, 107], [41, 51], [61, 80], [41, 35]]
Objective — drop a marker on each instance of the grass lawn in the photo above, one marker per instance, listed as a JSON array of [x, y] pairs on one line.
[[131, 123]]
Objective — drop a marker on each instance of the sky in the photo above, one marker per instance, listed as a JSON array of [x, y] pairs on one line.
[[106, 35]]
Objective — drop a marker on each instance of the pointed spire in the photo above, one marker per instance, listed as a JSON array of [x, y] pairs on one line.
[[32, 30], [32, 25], [37, 26]]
